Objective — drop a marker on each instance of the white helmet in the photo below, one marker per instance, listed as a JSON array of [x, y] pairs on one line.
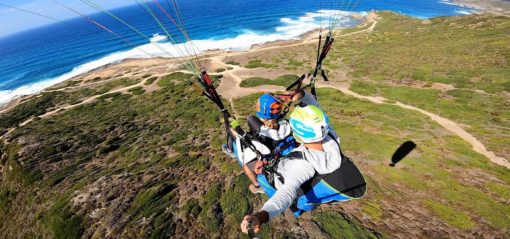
[[309, 124]]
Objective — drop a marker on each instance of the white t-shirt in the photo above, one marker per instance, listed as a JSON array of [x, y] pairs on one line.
[[281, 133], [326, 161], [246, 155]]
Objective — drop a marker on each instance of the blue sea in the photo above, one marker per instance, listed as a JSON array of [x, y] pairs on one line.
[[36, 59]]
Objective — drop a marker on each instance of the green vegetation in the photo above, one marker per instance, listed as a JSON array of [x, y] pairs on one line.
[[6, 199], [172, 78], [468, 51], [374, 210], [156, 198], [451, 216], [338, 226], [502, 190], [110, 95], [293, 64], [211, 209], [95, 79], [151, 80], [487, 115], [284, 80], [38, 105], [355, 29], [138, 137], [373, 132], [62, 222], [113, 84], [235, 201], [254, 81], [364, 88], [192, 208], [256, 64], [151, 164], [220, 70], [71, 83], [233, 63], [137, 90]]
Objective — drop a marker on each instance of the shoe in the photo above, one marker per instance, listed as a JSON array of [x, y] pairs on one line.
[[227, 151], [256, 190]]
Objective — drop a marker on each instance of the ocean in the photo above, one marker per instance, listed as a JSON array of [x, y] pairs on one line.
[[36, 59]]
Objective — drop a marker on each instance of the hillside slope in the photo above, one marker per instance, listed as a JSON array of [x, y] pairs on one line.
[[135, 153]]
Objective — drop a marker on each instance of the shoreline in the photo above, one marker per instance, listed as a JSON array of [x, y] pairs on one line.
[[205, 55], [155, 62], [483, 7]]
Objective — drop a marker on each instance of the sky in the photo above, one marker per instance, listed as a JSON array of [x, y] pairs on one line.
[[12, 20]]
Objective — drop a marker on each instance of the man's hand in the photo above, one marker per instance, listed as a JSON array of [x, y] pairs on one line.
[[259, 166], [250, 222], [295, 95]]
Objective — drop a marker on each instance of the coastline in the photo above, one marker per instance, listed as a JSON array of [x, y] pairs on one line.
[[484, 6], [237, 43], [115, 68]]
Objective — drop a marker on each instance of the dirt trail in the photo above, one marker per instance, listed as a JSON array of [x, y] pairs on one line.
[[230, 89], [230, 85], [444, 122]]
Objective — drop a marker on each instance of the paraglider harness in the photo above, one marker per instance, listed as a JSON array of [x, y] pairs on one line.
[[282, 148], [344, 184]]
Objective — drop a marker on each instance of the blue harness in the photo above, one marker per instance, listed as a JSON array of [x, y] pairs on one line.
[[314, 192], [344, 184]]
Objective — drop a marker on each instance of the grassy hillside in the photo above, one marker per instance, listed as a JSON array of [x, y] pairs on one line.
[[128, 165], [148, 163], [114, 168], [404, 59], [443, 179]]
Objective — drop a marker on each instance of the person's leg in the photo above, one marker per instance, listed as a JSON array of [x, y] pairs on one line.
[[230, 143], [254, 123], [249, 171], [228, 148], [251, 175]]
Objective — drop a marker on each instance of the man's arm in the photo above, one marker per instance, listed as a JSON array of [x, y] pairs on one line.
[[295, 172], [306, 98]]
